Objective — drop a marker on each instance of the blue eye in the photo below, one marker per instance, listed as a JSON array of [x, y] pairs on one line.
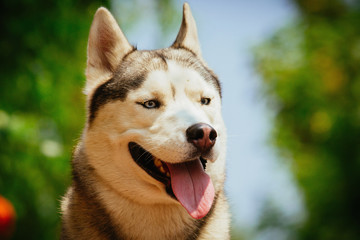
[[151, 104], [205, 101]]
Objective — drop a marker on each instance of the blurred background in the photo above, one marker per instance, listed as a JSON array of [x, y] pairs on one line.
[[291, 84]]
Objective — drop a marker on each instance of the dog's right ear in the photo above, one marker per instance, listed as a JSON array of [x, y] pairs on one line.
[[107, 45], [187, 37]]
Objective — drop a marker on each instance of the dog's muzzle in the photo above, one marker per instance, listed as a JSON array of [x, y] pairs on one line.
[[187, 181]]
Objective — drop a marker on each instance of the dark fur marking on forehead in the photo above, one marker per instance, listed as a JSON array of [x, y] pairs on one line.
[[215, 80], [114, 89], [184, 48], [134, 48], [162, 57], [173, 91], [129, 75], [134, 68], [189, 59]]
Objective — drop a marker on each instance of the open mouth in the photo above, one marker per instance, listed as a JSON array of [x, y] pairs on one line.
[[152, 165], [187, 182]]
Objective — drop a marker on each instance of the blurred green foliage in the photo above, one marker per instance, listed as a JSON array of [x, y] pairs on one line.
[[43, 58], [311, 72]]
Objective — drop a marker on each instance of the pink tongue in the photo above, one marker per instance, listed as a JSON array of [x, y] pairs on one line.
[[192, 187]]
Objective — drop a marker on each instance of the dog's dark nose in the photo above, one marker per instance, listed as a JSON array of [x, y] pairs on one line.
[[202, 135]]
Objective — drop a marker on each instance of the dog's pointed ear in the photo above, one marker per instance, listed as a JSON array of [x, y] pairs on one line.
[[187, 36], [107, 45]]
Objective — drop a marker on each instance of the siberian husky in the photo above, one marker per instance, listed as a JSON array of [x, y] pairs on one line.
[[151, 160]]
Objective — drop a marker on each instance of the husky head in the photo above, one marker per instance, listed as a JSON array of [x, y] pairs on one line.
[[155, 134]]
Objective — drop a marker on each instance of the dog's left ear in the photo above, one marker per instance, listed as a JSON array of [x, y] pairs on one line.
[[187, 37], [107, 46]]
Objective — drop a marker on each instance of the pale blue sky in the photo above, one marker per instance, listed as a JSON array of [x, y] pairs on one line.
[[227, 31]]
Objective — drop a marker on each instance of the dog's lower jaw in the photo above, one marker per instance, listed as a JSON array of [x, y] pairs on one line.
[[164, 221], [92, 209]]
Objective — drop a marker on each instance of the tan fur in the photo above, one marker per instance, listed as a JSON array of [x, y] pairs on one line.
[[107, 45], [188, 37], [111, 197]]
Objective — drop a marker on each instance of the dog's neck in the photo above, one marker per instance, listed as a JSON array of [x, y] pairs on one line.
[[132, 220]]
